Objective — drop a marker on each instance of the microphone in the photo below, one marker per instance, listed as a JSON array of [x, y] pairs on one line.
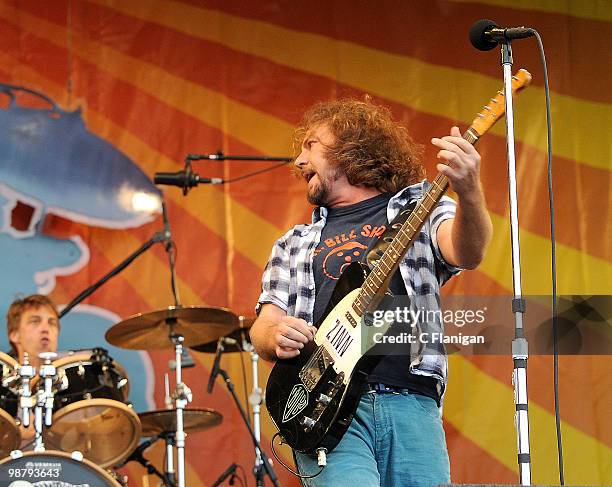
[[215, 369], [486, 34], [230, 470], [183, 179]]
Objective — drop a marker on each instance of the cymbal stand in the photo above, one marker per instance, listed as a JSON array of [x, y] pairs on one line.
[[255, 399], [169, 472], [182, 396]]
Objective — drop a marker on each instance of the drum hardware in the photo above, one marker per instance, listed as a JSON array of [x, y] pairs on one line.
[[238, 341], [26, 400], [92, 411], [137, 456], [48, 373], [264, 466]]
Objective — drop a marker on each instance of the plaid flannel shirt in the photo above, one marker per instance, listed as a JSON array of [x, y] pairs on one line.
[[288, 279]]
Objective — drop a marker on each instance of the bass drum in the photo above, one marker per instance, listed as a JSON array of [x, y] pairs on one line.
[[91, 411], [52, 468], [9, 431]]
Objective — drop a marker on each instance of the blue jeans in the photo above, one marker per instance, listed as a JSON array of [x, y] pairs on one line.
[[395, 439]]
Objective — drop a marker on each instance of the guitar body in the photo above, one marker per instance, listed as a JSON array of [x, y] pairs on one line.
[[312, 405]]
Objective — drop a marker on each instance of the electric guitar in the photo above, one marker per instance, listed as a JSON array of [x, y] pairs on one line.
[[312, 398]]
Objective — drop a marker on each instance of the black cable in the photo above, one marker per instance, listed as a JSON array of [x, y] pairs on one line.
[[251, 174], [553, 258], [287, 467]]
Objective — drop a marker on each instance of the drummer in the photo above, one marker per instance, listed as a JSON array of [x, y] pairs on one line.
[[33, 327]]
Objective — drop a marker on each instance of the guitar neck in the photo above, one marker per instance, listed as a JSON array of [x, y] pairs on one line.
[[376, 283]]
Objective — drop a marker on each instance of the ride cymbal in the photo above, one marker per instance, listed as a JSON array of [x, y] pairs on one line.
[[162, 421], [151, 331]]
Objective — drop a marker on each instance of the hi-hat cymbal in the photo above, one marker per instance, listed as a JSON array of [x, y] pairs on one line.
[[151, 331], [161, 421], [241, 335]]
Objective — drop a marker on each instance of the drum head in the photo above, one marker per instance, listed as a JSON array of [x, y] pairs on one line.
[[52, 468], [10, 437], [103, 430]]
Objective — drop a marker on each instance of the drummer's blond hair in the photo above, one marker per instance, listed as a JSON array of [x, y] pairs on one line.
[[20, 305]]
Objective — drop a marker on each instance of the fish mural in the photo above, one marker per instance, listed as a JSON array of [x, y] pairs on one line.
[[51, 164]]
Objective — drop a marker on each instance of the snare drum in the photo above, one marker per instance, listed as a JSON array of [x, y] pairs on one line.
[[91, 412], [10, 436], [53, 468]]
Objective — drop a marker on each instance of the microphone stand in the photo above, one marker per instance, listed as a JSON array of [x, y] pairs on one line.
[[265, 461], [158, 237], [220, 156], [519, 344], [137, 456]]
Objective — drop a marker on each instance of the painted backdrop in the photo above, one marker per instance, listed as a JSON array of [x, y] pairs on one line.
[[152, 81]]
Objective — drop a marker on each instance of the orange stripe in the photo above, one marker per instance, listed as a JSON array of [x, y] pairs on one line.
[[413, 28]]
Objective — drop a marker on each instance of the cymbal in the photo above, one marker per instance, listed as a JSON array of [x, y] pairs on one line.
[[150, 331], [241, 335], [164, 420]]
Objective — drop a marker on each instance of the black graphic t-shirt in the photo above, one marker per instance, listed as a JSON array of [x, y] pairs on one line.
[[350, 232]]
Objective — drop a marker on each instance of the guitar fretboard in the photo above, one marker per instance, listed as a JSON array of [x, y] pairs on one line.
[[389, 261]]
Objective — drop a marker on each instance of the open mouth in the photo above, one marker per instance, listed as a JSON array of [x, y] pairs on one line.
[[308, 176]]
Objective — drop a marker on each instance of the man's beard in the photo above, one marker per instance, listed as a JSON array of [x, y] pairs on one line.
[[320, 195]]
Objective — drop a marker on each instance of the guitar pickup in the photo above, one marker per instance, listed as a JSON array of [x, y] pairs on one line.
[[351, 319]]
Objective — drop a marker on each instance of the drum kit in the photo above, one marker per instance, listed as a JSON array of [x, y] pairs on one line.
[[83, 421]]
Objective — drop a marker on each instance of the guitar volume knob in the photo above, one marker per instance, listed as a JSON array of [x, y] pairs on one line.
[[324, 399], [308, 423]]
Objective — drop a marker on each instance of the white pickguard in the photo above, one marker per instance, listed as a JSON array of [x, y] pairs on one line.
[[342, 339]]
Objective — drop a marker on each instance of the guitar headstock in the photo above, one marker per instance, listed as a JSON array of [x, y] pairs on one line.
[[496, 108]]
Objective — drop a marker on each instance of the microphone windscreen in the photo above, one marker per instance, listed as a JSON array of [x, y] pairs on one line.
[[477, 35]]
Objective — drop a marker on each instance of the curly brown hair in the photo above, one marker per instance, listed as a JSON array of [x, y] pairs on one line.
[[371, 149], [20, 305]]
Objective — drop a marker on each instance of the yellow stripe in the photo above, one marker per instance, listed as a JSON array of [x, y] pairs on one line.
[[577, 272], [393, 77], [482, 409], [584, 9]]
